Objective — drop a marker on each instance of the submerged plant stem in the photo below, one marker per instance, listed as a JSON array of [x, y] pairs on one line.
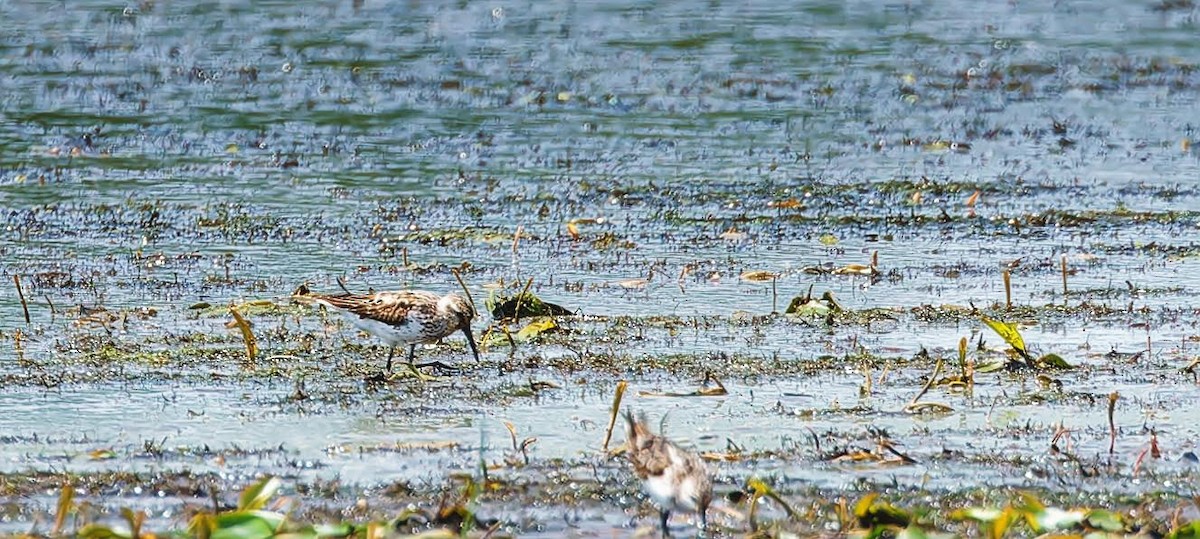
[[21, 294]]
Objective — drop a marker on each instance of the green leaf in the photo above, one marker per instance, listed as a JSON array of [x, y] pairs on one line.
[[1190, 530], [811, 308], [256, 496], [97, 531], [528, 304], [871, 513], [536, 327], [828, 239], [999, 527], [991, 367], [1053, 361], [1105, 520], [247, 525], [1008, 332]]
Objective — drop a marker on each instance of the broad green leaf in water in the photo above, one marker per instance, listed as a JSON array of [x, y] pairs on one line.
[[247, 525], [828, 239], [96, 531], [1105, 520], [812, 308], [256, 496], [999, 527], [759, 486], [872, 514], [1190, 530], [1053, 361], [991, 367], [308, 532], [1008, 332], [536, 327]]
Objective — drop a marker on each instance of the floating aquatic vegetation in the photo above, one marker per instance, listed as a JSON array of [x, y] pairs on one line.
[[1008, 332], [917, 406], [807, 307], [709, 387], [523, 305], [759, 276], [614, 412], [243, 325]]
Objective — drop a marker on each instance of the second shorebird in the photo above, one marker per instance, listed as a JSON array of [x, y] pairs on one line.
[[402, 317], [673, 477]]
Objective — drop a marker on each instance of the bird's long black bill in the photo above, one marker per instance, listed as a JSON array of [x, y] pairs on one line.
[[471, 341]]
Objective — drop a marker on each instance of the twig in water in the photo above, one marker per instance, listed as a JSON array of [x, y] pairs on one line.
[[21, 294], [53, 311], [521, 298], [512, 343], [616, 409], [66, 500], [247, 333], [1007, 290], [465, 290], [937, 369], [1112, 426]]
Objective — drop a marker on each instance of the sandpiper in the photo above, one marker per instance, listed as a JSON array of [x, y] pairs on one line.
[[673, 477], [401, 317]]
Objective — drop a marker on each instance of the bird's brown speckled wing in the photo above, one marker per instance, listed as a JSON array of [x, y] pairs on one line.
[[647, 452], [393, 308], [694, 467]]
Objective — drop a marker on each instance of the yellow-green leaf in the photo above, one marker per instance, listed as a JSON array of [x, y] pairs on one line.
[[759, 486], [1053, 361], [1105, 520], [256, 496], [1008, 332], [66, 500], [247, 525], [536, 327], [1190, 530], [102, 454], [247, 333], [97, 531]]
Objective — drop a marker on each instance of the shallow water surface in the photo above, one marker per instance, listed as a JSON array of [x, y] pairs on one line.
[[160, 160]]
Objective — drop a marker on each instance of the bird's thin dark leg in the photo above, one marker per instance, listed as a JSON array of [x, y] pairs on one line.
[[704, 523], [391, 352], [664, 515], [412, 366]]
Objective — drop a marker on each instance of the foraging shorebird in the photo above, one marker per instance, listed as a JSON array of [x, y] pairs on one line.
[[672, 477], [402, 317]]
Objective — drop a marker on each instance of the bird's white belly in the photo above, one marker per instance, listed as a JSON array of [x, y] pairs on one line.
[[394, 335], [661, 490]]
